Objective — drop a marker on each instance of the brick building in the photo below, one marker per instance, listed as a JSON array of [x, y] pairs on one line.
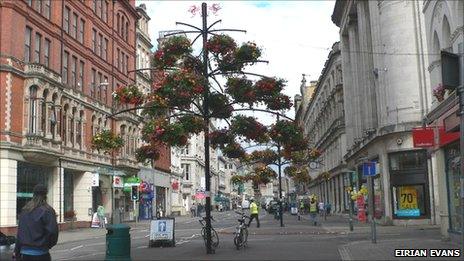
[[60, 61]]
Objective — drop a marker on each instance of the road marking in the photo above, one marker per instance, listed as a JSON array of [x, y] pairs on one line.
[[147, 236], [77, 247], [140, 247], [344, 253]]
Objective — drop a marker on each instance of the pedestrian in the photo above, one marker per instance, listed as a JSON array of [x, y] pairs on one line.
[[321, 208], [101, 216], [199, 209], [313, 210], [37, 228], [254, 212], [193, 210], [329, 208]]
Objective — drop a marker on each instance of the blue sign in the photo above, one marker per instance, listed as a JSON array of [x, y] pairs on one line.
[[412, 212], [369, 169]]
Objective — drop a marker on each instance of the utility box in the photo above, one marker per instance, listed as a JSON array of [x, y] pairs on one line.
[[118, 243]]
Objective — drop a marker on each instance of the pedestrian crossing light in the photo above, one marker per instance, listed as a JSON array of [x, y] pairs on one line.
[[135, 193]]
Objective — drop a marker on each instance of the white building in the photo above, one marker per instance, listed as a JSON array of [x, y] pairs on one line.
[[386, 94], [444, 30]]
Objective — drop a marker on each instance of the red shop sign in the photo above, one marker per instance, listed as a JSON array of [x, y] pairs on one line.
[[447, 137], [423, 137]]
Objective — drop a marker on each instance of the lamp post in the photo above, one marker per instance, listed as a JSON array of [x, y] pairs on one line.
[[351, 203]]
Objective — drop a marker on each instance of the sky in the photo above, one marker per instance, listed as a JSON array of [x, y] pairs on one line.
[[296, 36]]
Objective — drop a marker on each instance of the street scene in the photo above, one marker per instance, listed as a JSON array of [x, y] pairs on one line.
[[231, 130]]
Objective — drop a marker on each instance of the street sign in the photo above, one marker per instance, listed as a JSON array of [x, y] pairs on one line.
[[369, 169], [95, 180], [117, 182]]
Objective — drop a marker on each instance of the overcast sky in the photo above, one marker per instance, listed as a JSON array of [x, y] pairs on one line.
[[296, 36]]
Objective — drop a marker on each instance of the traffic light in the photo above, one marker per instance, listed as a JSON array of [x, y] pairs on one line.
[[135, 193]]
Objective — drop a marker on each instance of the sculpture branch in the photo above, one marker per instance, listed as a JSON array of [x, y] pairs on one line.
[[189, 25]]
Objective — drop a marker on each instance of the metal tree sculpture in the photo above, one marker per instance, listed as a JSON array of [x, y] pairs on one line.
[[184, 92]]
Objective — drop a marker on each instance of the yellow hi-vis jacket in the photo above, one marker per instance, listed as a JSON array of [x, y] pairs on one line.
[[253, 208], [312, 207]]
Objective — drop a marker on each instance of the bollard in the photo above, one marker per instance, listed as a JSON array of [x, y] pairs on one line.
[[118, 242]]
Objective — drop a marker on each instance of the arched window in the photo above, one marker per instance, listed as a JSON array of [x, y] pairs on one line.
[[118, 18], [33, 109], [72, 126], [446, 34], [436, 43], [53, 117], [64, 124], [123, 135], [79, 129], [128, 141], [43, 113], [93, 128], [99, 128], [126, 35]]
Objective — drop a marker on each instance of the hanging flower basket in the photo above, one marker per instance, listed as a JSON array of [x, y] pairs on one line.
[[236, 179], [221, 44], [248, 53], [172, 134], [192, 64], [262, 175], [285, 132], [147, 153], [161, 59], [177, 45], [279, 102], [314, 153], [219, 106], [181, 87], [229, 63], [269, 87], [233, 150], [241, 90], [128, 94], [267, 156], [220, 138], [249, 128], [439, 92], [155, 106], [192, 124], [107, 141]]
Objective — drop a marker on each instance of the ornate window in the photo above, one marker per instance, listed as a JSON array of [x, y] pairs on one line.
[[79, 129], [72, 126], [27, 45], [64, 124], [53, 118], [43, 113], [33, 109]]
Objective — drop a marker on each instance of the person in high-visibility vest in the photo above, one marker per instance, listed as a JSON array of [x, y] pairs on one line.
[[254, 212], [313, 210]]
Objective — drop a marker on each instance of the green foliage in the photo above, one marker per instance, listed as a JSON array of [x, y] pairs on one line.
[[107, 141]]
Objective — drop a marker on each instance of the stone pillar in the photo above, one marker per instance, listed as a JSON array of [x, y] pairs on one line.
[[354, 71], [385, 175], [83, 195], [347, 93], [369, 108], [56, 192], [8, 185]]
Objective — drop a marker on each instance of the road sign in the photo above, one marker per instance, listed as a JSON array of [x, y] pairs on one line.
[[369, 169]]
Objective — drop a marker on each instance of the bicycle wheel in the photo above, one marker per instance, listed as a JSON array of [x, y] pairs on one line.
[[214, 238], [245, 236], [238, 240]]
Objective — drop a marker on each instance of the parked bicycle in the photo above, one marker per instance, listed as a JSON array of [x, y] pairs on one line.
[[241, 232], [214, 234]]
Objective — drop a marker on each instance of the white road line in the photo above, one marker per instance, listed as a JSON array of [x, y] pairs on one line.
[[344, 253], [140, 247], [77, 247], [147, 236]]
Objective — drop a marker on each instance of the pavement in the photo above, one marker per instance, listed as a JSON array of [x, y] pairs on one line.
[[297, 240]]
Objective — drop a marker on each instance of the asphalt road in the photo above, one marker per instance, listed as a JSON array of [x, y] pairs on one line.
[[186, 230]]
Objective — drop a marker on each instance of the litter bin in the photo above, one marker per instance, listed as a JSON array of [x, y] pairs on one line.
[[118, 242]]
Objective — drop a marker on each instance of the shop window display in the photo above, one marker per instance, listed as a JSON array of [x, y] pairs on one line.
[[29, 175], [453, 183]]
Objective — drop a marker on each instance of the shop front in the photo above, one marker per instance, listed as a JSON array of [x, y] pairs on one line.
[[452, 165], [409, 184]]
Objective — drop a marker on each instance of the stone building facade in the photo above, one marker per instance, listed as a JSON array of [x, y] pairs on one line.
[[323, 121], [386, 94], [58, 69], [444, 30]]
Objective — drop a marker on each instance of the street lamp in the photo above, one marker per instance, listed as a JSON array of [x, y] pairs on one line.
[[351, 203]]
